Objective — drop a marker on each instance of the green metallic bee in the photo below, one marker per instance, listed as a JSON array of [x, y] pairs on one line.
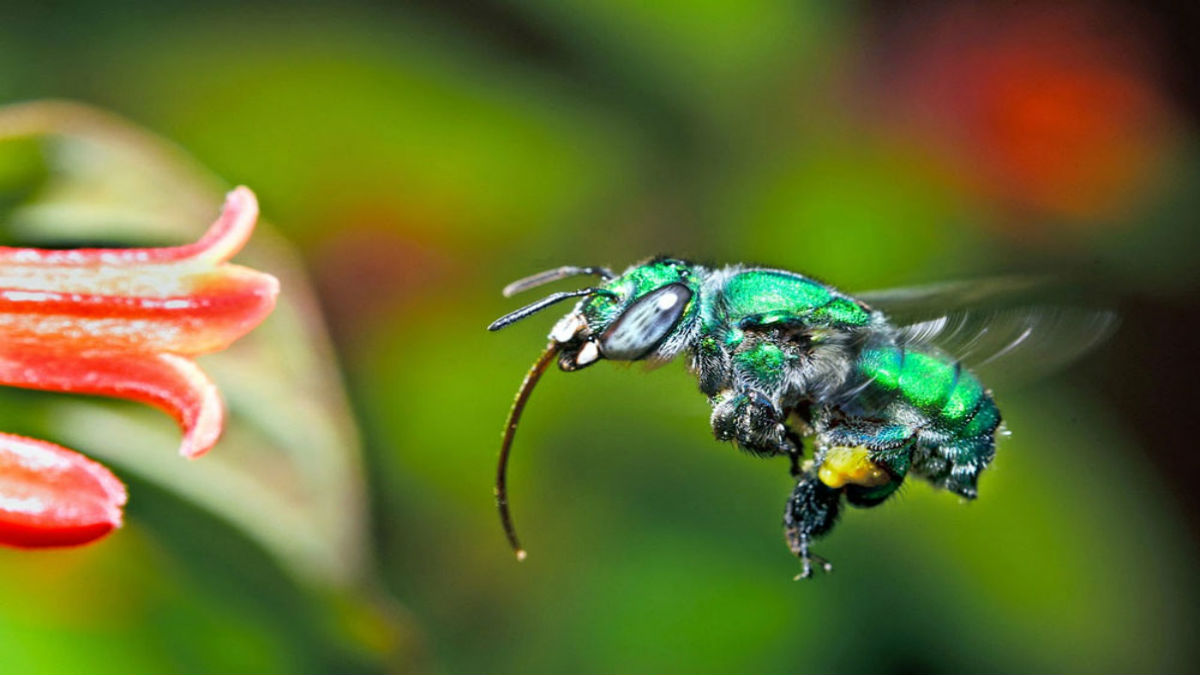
[[780, 356]]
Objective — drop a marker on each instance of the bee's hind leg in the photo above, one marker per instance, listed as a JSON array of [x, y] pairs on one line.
[[811, 512]]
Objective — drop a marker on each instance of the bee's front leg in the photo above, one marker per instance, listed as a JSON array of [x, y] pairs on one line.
[[749, 419], [811, 512]]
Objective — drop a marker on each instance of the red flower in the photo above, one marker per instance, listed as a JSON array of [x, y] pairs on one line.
[[1050, 107], [122, 323]]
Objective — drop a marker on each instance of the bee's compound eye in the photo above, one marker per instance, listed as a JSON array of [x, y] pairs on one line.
[[642, 328]]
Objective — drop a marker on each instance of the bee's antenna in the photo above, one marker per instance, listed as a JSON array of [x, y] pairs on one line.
[[510, 430], [546, 277], [513, 317]]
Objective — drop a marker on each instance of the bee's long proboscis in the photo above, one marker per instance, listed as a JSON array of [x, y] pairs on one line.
[[510, 431]]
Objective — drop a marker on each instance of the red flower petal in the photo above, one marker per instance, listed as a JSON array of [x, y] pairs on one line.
[[224, 238], [172, 383], [51, 496], [226, 304], [181, 300]]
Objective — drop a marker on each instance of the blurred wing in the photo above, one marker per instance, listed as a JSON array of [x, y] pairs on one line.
[[1009, 329]]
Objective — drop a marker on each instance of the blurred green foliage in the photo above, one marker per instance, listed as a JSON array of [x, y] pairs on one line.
[[419, 158]]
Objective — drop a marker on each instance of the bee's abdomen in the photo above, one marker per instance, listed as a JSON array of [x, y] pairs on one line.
[[944, 391], [956, 439]]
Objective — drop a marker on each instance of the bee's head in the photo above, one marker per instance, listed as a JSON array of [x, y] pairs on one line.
[[647, 313]]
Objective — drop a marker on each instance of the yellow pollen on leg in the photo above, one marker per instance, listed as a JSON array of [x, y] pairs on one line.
[[851, 466]]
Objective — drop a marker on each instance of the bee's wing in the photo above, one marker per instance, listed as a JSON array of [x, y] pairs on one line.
[[1008, 328]]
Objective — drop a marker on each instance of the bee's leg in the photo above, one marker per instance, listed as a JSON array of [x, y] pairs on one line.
[[796, 451], [866, 497], [811, 512], [865, 476], [748, 418], [895, 462]]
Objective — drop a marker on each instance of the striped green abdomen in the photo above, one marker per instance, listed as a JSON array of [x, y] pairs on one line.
[[949, 395]]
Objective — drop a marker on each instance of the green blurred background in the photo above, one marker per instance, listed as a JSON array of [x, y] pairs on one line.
[[413, 159]]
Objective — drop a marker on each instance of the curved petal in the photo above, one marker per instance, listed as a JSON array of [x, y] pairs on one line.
[[224, 238], [221, 306], [52, 496], [172, 383]]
